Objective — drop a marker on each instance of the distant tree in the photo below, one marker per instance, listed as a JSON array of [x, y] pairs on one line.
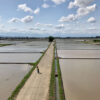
[[96, 40], [51, 38]]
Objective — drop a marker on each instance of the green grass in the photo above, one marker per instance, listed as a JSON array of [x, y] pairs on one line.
[[52, 88], [52, 81], [91, 41], [96, 41], [1, 45], [21, 84], [61, 89], [86, 41]]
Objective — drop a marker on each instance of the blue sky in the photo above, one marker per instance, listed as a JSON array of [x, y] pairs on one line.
[[50, 17]]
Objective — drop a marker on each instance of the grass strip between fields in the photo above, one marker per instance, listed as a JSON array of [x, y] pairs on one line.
[[52, 86], [1, 45], [61, 88], [21, 84], [91, 41]]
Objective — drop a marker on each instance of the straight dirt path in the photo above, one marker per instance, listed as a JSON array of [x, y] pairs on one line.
[[37, 86]]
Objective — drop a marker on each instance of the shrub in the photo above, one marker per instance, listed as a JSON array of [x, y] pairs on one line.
[[96, 40], [51, 38]]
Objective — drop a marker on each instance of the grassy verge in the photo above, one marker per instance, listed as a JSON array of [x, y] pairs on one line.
[[21, 84], [52, 94], [61, 89], [87, 42], [96, 41], [92, 42], [1, 45]]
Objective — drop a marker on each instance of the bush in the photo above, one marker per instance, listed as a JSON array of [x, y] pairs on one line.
[[96, 40], [51, 38]]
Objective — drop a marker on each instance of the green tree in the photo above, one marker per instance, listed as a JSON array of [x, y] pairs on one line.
[[51, 38]]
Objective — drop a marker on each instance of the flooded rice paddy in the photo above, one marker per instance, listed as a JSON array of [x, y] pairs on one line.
[[81, 79], [14, 61], [79, 53], [25, 46], [80, 67], [10, 77], [19, 57], [74, 44]]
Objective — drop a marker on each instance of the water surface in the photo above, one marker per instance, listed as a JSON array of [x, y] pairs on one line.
[[12, 59], [81, 78], [79, 53], [80, 69], [75, 44], [24, 46], [19, 57], [10, 77]]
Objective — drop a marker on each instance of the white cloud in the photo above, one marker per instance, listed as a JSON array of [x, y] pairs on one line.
[[34, 28], [45, 5], [49, 25], [91, 28], [37, 24], [58, 1], [80, 3], [84, 7], [83, 11], [25, 8], [69, 18], [60, 26], [37, 29], [71, 5], [2, 26], [36, 11], [91, 20], [27, 19], [86, 10], [46, 25], [14, 20]]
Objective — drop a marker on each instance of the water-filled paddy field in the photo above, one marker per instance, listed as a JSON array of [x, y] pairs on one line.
[[10, 77], [80, 67], [19, 57], [14, 61]]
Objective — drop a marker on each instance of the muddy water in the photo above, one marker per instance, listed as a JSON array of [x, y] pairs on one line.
[[21, 49], [19, 52], [69, 44], [10, 76], [79, 53], [24, 46], [81, 78], [19, 57]]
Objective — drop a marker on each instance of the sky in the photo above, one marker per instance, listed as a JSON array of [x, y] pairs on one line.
[[41, 18]]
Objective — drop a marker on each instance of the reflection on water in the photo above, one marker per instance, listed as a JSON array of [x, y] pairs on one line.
[[81, 79], [79, 53], [10, 76], [24, 46], [73, 44], [19, 57], [18, 52]]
